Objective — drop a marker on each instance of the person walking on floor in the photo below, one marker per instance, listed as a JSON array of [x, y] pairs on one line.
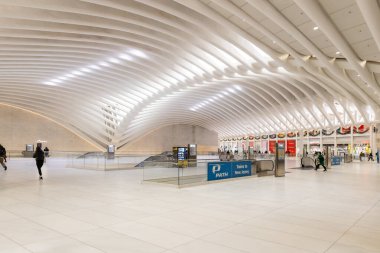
[[370, 157], [3, 157], [361, 156], [321, 160], [39, 155]]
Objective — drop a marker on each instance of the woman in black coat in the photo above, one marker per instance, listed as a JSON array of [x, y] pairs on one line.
[[40, 157]]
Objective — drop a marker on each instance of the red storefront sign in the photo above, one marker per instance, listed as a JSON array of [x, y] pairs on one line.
[[272, 147], [291, 146]]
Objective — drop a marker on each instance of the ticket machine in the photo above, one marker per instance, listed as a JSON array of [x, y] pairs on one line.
[[279, 170]]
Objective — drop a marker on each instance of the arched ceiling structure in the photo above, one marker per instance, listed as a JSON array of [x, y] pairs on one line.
[[113, 70]]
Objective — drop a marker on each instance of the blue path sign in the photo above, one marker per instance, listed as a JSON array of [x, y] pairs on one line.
[[335, 160], [241, 169], [218, 170], [224, 170]]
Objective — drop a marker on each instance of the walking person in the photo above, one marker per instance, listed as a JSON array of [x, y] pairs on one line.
[[46, 150], [3, 157], [370, 157], [361, 156], [321, 161], [39, 155]]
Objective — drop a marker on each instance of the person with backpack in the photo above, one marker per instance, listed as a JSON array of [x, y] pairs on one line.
[[39, 155], [3, 157], [321, 161]]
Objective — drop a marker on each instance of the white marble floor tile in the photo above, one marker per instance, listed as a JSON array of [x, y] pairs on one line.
[[7, 244], [183, 227], [27, 210], [61, 245], [94, 217], [212, 222], [5, 215], [306, 222], [292, 240], [125, 213], [157, 236], [249, 244], [199, 246], [367, 239], [63, 224], [288, 227], [15, 250], [25, 231], [113, 242], [343, 248]]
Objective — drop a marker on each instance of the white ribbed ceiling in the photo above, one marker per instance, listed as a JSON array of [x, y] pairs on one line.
[[114, 70]]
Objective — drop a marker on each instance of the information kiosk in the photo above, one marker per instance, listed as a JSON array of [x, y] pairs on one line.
[[279, 170]]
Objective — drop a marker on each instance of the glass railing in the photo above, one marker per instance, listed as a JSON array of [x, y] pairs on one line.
[[173, 174], [100, 161]]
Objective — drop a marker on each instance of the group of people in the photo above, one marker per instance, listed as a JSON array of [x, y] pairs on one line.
[[370, 156], [226, 156], [39, 155]]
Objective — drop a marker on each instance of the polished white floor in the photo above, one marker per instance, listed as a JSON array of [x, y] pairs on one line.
[[82, 211]]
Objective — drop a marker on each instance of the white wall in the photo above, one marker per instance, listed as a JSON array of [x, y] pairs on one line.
[[19, 127], [164, 139]]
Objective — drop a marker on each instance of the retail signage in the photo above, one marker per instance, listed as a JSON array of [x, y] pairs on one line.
[[335, 160], [224, 170]]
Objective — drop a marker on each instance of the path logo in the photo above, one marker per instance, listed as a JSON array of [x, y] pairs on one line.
[[216, 169]]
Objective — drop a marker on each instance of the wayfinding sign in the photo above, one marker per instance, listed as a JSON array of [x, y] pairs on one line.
[[335, 160], [224, 170]]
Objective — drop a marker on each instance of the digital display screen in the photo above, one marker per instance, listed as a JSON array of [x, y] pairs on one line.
[[182, 154]]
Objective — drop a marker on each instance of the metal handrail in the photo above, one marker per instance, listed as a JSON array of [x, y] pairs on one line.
[[261, 161], [307, 157]]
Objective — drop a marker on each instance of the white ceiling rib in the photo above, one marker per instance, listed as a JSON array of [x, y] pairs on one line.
[[114, 70]]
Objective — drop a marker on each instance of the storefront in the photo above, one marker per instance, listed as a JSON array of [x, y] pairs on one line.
[[343, 140]]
